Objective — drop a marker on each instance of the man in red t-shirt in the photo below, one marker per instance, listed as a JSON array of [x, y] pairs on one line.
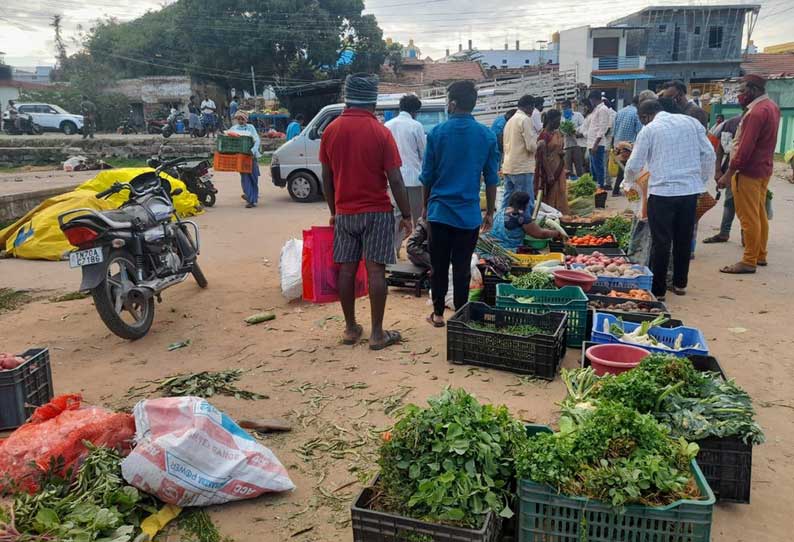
[[359, 155]]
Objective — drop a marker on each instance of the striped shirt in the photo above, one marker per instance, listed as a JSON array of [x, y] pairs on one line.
[[627, 124]]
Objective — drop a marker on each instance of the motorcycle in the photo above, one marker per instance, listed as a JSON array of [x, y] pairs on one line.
[[155, 126], [196, 176], [23, 125], [130, 255], [128, 126], [170, 124]]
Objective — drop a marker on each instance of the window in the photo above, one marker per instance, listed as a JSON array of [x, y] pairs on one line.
[[715, 37], [697, 30], [662, 28], [526, 61], [504, 61], [323, 124]]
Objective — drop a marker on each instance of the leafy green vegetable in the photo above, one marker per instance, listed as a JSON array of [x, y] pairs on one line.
[[526, 330], [534, 280], [614, 454], [567, 127], [96, 505], [619, 227], [451, 462], [582, 187], [695, 405]]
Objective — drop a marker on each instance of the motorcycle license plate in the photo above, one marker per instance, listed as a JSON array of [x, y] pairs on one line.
[[86, 257]]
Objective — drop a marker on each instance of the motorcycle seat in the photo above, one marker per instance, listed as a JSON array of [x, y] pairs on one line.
[[133, 213]]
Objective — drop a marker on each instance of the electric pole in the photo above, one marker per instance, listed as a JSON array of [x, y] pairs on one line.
[[253, 80]]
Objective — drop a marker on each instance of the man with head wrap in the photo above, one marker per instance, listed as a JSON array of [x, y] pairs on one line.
[[358, 156]]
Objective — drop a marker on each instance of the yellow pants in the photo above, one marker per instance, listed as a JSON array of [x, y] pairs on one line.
[[749, 197]]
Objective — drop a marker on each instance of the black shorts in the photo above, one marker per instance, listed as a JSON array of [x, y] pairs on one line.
[[370, 235]]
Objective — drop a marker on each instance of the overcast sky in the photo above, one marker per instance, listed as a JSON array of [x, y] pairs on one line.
[[435, 25]]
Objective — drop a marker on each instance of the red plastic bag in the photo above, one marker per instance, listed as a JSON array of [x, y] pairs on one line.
[[57, 430], [319, 272]]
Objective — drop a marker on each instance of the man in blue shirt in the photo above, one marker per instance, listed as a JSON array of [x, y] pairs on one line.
[[234, 105], [459, 153], [627, 126], [295, 127]]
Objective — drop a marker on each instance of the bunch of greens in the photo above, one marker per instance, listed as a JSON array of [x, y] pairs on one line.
[[695, 405], [619, 227], [534, 280], [206, 384], [452, 462], [526, 330], [567, 127], [96, 505], [583, 187], [613, 454]]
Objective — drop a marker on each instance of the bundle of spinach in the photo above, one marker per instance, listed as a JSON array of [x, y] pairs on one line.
[[613, 454], [519, 330], [617, 226], [452, 462], [695, 405], [96, 505], [534, 280], [582, 187]]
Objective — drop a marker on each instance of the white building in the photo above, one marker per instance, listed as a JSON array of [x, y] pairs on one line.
[[506, 58]]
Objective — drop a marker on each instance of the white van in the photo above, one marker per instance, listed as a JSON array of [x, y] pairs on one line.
[[296, 164]]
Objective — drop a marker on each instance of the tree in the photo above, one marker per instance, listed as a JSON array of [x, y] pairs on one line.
[[394, 56], [60, 46]]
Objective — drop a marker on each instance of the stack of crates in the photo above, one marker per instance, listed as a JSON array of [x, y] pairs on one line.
[[234, 154]]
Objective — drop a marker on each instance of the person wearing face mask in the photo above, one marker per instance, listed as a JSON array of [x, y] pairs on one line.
[[574, 149], [249, 181], [750, 169], [677, 91]]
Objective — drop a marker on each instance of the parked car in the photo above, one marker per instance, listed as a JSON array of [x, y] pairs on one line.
[[51, 118], [296, 164]]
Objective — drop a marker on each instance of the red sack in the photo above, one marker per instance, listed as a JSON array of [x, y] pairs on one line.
[[57, 430], [319, 272]]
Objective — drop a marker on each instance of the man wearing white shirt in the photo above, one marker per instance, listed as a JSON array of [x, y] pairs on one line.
[[208, 118], [680, 159], [599, 122], [411, 141], [537, 115]]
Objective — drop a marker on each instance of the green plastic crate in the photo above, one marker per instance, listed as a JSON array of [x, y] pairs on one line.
[[568, 299], [547, 516], [235, 145]]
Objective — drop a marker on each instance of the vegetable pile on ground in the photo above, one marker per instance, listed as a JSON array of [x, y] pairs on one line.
[[452, 462], [695, 405], [96, 505], [584, 186], [596, 258], [526, 330], [203, 384], [641, 335], [536, 280], [628, 306], [591, 240], [619, 228], [614, 454], [639, 295]]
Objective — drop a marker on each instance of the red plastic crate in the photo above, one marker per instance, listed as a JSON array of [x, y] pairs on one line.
[[241, 163]]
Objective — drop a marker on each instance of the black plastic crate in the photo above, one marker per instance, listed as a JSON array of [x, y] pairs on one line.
[[490, 279], [538, 355], [24, 388], [376, 526], [601, 200], [727, 463]]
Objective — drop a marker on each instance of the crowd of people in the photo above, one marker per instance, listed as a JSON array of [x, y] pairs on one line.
[[383, 182]]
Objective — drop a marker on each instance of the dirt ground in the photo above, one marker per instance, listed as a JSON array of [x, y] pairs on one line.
[[338, 397]]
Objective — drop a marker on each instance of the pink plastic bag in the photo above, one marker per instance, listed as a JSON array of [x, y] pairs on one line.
[[319, 271]]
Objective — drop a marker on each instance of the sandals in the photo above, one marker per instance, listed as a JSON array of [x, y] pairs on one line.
[[432, 321], [392, 338], [715, 239], [738, 269], [359, 333], [678, 291]]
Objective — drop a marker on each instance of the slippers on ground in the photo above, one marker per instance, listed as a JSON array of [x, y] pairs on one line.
[[392, 338], [359, 333], [738, 269], [715, 239], [762, 264], [432, 321]]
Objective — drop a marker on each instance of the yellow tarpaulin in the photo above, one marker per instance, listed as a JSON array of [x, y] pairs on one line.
[[37, 236]]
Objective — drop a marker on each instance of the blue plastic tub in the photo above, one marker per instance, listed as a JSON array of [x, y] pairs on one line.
[[643, 282], [692, 336]]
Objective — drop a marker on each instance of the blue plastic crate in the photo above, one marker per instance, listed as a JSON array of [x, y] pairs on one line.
[[692, 336], [643, 282]]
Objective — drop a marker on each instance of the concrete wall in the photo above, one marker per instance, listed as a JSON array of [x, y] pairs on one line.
[[161, 91], [576, 52]]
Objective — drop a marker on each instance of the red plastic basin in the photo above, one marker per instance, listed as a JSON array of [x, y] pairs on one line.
[[574, 278], [614, 358]]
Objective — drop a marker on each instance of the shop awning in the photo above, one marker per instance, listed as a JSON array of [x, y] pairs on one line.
[[623, 77]]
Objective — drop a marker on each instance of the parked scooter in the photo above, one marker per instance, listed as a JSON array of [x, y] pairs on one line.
[[170, 124], [196, 176], [129, 256], [24, 125], [128, 126]]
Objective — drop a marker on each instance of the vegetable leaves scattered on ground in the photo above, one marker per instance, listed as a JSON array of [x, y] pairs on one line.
[[451, 462], [205, 384]]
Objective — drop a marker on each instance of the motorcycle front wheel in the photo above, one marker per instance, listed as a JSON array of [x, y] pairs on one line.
[[208, 199], [129, 319], [198, 274]]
